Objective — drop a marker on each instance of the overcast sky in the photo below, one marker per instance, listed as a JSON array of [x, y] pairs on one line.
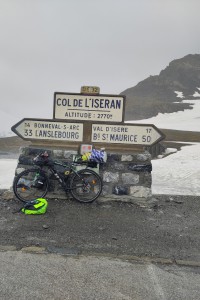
[[60, 45]]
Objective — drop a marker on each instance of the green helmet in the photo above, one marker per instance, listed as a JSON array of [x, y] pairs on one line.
[[35, 207]]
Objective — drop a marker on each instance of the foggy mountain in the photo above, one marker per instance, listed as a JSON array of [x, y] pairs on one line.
[[163, 93]]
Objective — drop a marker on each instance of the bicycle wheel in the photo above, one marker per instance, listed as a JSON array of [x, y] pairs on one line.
[[86, 185], [30, 185]]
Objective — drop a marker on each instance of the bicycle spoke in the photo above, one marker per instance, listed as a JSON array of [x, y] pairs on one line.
[[30, 185], [86, 186]]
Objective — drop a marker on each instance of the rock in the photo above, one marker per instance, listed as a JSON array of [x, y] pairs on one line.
[[140, 191], [140, 168], [45, 226], [126, 158], [178, 201], [129, 178], [7, 195], [110, 177]]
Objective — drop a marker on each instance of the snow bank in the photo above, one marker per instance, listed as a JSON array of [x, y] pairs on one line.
[[7, 172], [178, 173], [188, 120]]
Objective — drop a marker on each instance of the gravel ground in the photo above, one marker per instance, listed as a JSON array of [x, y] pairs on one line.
[[169, 228]]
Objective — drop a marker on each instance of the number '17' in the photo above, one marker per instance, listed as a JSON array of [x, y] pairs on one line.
[[148, 130]]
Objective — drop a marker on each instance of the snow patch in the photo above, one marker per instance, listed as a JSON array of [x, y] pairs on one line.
[[196, 94], [7, 172], [179, 94], [178, 174], [188, 120]]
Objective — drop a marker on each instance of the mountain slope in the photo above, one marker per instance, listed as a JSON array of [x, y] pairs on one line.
[[158, 93]]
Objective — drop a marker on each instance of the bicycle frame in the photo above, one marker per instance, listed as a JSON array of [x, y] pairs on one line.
[[61, 178]]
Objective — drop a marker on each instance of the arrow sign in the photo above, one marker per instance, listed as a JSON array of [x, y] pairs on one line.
[[29, 129], [142, 134]]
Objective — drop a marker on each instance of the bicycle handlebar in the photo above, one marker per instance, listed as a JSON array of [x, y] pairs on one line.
[[42, 159]]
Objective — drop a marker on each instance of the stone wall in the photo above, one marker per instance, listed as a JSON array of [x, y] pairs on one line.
[[126, 177]]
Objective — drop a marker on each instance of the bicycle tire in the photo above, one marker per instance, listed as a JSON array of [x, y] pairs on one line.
[[86, 186], [26, 188]]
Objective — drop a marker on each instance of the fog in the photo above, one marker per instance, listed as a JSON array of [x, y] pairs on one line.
[[61, 45]]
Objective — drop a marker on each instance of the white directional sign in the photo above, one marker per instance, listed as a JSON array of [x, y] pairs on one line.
[[48, 130], [103, 108], [126, 134]]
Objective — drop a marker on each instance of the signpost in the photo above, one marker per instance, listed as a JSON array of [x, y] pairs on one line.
[[89, 107], [30, 129], [101, 120], [126, 134]]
